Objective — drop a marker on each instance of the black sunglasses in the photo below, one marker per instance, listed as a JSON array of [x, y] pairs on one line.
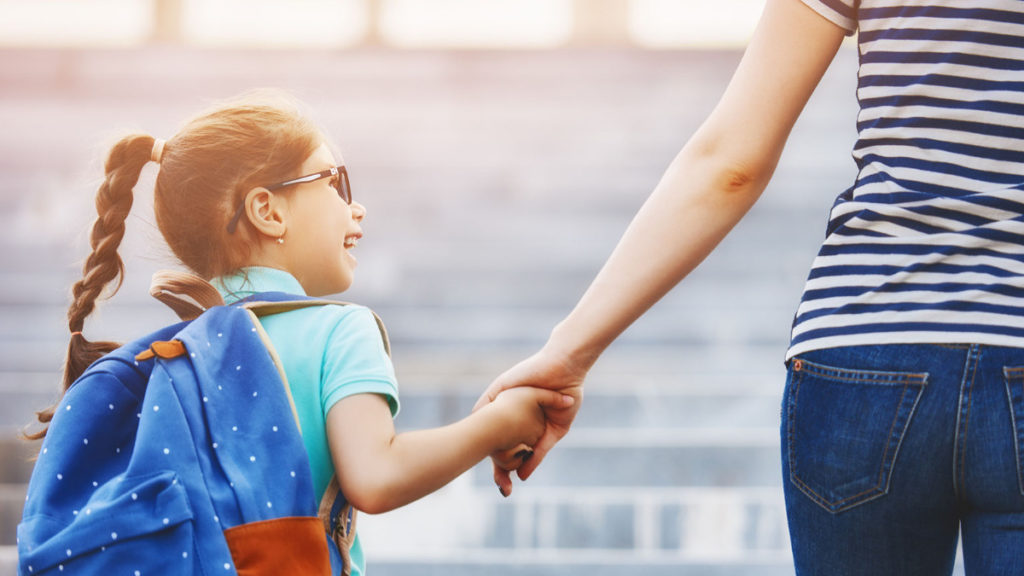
[[340, 184]]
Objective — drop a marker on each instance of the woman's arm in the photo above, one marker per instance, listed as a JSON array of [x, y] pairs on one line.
[[712, 182], [709, 186], [379, 470]]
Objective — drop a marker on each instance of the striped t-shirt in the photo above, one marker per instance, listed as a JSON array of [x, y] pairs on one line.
[[927, 246]]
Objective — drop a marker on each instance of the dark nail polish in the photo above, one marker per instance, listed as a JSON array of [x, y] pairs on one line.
[[526, 457], [523, 453], [502, 491]]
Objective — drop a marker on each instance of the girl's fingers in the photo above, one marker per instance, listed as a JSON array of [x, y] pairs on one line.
[[503, 478], [512, 459], [540, 450], [507, 461]]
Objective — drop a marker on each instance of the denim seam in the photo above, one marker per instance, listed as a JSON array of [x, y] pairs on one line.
[[866, 376], [791, 410], [1009, 375], [882, 486], [967, 422], [888, 439], [964, 413]]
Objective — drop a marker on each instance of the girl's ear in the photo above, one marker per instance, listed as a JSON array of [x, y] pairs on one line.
[[266, 212]]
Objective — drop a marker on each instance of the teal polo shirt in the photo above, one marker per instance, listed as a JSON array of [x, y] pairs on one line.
[[328, 353]]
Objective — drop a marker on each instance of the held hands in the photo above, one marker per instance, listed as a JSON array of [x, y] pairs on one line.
[[520, 416], [545, 369]]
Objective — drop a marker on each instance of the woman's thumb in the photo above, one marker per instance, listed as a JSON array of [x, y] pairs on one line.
[[553, 398]]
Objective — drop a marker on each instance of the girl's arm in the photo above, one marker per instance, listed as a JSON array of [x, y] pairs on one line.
[[709, 186], [379, 470]]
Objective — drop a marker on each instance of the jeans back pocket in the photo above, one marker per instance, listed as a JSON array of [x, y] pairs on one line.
[[844, 428]]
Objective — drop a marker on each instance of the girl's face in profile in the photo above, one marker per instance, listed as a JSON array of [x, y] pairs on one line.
[[322, 229]]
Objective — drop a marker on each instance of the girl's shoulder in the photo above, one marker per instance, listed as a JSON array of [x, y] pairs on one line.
[[321, 321], [347, 322], [343, 312]]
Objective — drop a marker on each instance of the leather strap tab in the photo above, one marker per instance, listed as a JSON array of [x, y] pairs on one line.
[[163, 349]]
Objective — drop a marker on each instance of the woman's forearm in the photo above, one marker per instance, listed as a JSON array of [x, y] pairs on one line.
[[711, 183], [692, 209]]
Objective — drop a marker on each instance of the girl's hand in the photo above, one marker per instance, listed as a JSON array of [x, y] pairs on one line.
[[380, 470], [545, 369], [521, 415]]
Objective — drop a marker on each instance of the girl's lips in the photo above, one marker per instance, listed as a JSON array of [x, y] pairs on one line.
[[352, 240]]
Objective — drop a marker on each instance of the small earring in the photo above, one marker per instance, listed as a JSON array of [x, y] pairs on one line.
[[280, 240]]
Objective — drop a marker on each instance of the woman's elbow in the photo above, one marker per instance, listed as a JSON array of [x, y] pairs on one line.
[[731, 168], [739, 179]]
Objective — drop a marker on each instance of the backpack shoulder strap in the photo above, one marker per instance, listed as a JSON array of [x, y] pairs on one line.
[[189, 296], [269, 303]]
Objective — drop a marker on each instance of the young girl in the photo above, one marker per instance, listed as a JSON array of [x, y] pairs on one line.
[[250, 197]]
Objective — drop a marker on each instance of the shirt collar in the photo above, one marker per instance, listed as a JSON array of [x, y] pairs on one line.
[[255, 279]]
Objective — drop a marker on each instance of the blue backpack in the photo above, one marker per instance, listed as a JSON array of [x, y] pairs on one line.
[[180, 453]]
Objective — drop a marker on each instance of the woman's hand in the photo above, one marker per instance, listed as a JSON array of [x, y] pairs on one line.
[[545, 369]]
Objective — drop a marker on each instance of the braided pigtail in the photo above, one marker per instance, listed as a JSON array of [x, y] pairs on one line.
[[104, 265]]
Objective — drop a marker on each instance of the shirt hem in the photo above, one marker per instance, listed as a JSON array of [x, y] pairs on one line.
[[382, 387], [875, 338], [848, 25]]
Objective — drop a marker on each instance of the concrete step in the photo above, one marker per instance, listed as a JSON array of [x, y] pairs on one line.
[[473, 563], [621, 413], [12, 499], [502, 563], [560, 563], [8, 560], [752, 460], [17, 457], [454, 331], [689, 520], [439, 383]]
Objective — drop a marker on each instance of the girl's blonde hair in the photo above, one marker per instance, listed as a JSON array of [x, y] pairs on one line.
[[206, 169]]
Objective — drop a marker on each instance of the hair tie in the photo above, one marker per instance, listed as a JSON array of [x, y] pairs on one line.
[[77, 332], [158, 150]]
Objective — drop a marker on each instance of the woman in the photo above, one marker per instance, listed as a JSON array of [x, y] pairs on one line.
[[903, 415]]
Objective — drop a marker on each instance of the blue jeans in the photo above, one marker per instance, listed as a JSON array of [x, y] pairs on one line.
[[889, 451]]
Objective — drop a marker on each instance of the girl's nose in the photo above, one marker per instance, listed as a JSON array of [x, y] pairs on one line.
[[358, 211]]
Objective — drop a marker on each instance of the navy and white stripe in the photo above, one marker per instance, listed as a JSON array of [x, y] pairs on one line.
[[927, 246]]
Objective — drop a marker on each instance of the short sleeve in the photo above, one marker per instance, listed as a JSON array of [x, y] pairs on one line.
[[842, 13], [355, 361]]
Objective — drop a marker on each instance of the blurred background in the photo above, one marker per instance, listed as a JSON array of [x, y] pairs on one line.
[[501, 148]]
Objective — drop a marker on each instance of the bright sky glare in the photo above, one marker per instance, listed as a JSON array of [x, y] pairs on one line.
[[339, 24]]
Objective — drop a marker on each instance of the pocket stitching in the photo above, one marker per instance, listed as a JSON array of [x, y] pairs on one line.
[[865, 377]]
